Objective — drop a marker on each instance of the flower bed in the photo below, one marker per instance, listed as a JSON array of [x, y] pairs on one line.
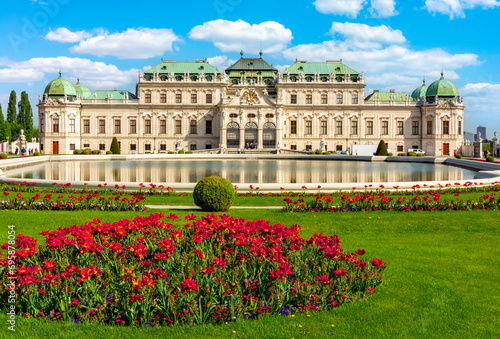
[[211, 270], [381, 202]]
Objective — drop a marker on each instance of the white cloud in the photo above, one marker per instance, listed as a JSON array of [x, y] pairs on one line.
[[455, 8], [350, 8], [367, 37], [139, 43], [63, 34], [481, 100], [221, 62], [95, 75], [383, 8], [390, 65], [233, 36]]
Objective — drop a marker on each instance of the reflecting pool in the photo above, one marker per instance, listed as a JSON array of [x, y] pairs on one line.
[[241, 171]]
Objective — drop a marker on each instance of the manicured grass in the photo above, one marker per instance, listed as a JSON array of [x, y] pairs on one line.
[[441, 280]]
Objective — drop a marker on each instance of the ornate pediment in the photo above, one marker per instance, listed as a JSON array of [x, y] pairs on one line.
[[446, 104], [250, 97], [54, 102]]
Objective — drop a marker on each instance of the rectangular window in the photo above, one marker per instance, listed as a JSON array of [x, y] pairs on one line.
[[72, 125], [148, 98], [354, 127], [86, 126], [309, 127], [208, 127], [400, 148], [163, 126], [429, 126], [309, 99], [414, 128], [293, 98], [208, 98], [178, 98], [446, 127], [294, 147], [324, 127], [163, 147], [178, 126], [192, 147], [163, 98], [147, 126], [193, 127], [354, 99], [133, 126], [102, 147], [194, 98], [118, 126], [55, 125], [309, 147], [369, 127], [102, 126], [86, 145], [340, 99], [293, 127], [324, 99], [133, 147], [338, 127], [147, 147], [385, 127], [401, 128], [339, 148], [459, 128], [41, 126], [71, 147]]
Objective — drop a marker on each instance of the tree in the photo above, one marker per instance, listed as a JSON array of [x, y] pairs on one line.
[[1, 115], [115, 148], [381, 149], [25, 114], [11, 109], [5, 132]]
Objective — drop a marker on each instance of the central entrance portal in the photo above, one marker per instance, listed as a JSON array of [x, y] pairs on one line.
[[233, 135], [251, 134]]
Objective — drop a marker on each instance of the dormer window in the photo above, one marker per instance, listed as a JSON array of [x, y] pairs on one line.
[[201, 67], [293, 79], [324, 79], [301, 68], [194, 78], [178, 78], [208, 78], [309, 79]]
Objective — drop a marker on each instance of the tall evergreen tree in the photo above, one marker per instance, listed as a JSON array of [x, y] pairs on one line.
[[25, 114], [1, 115], [11, 109]]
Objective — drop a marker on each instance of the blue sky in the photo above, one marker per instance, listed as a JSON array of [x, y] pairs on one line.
[[395, 43]]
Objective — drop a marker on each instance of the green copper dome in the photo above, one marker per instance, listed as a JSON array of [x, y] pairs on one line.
[[442, 88], [82, 91], [59, 87], [420, 92]]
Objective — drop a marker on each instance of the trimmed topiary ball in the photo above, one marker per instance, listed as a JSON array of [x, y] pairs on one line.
[[490, 159], [214, 194]]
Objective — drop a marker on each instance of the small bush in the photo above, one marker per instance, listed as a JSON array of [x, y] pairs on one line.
[[109, 152], [490, 159], [36, 154], [171, 152], [96, 151], [189, 152], [78, 151], [326, 153], [3, 156], [181, 151], [412, 154], [311, 152], [381, 149], [420, 155], [318, 151], [389, 154], [214, 194], [402, 154], [87, 151], [458, 156]]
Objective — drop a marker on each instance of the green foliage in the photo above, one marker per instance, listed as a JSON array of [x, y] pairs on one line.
[[412, 154], [487, 147], [11, 108], [389, 154], [402, 154], [318, 151], [181, 151], [115, 147], [326, 153], [5, 132], [214, 194], [311, 152], [490, 159], [109, 152], [78, 151], [420, 155], [1, 115], [96, 151], [36, 154], [25, 115], [171, 152], [458, 156], [87, 151], [189, 152], [3, 156], [381, 149]]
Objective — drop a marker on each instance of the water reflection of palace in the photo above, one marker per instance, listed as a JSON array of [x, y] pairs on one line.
[[250, 171]]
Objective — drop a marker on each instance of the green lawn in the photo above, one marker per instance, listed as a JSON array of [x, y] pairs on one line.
[[442, 278]]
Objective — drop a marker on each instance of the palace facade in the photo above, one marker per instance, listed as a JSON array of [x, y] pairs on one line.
[[193, 107]]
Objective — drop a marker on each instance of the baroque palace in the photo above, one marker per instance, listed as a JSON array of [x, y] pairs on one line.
[[191, 106]]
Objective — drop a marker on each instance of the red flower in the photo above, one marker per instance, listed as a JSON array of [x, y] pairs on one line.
[[207, 270], [340, 272], [377, 262], [189, 285]]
